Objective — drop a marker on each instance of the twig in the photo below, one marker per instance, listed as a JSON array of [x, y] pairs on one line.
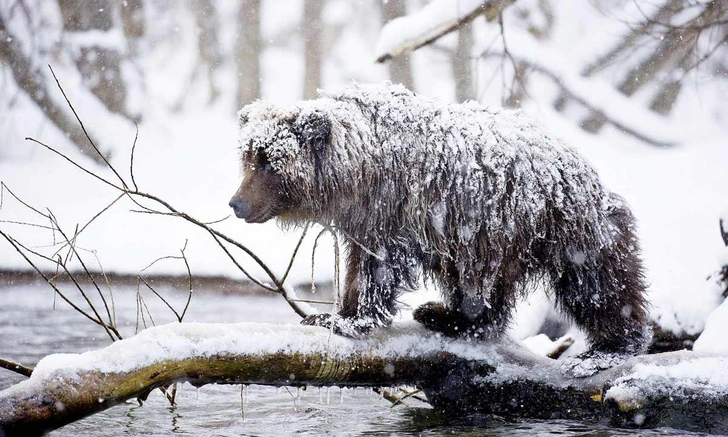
[[322, 302], [75, 164], [85, 269], [295, 251], [15, 367], [17, 246], [75, 114], [156, 293], [189, 278], [131, 160], [407, 394]]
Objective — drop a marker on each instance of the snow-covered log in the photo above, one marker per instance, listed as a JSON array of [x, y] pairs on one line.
[[679, 389]]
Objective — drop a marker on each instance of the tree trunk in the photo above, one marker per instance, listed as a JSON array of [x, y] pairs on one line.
[[313, 46], [400, 69], [208, 45], [99, 64], [33, 81], [249, 46], [462, 64], [678, 389], [132, 19]]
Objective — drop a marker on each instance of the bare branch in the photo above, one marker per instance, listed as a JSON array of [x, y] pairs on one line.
[[75, 114], [15, 367], [578, 97], [295, 251], [19, 248], [131, 159]]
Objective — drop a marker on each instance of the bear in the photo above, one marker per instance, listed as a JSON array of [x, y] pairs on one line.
[[481, 202]]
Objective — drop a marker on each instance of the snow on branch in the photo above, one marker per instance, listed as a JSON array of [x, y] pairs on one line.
[[437, 18], [680, 389]]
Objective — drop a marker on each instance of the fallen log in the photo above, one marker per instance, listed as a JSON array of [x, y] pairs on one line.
[[678, 389]]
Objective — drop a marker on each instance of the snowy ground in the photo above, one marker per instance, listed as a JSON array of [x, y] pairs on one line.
[[190, 159]]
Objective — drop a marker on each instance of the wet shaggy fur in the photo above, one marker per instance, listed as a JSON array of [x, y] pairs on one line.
[[482, 202]]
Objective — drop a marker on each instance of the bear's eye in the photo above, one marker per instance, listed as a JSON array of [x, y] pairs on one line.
[[266, 166]]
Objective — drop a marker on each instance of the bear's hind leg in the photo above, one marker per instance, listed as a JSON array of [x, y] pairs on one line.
[[605, 296], [603, 291]]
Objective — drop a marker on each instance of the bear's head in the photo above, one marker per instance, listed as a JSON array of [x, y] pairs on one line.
[[281, 150]]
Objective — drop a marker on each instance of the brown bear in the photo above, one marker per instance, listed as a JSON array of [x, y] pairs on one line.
[[482, 202]]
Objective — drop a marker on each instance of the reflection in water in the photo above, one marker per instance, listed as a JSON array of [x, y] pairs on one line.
[[30, 328]]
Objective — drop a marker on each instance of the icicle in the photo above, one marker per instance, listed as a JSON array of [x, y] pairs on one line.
[[242, 401], [321, 399], [298, 396], [341, 395], [328, 395]]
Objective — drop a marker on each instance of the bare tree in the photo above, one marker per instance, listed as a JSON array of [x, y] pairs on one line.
[[248, 48], [312, 28], [400, 69]]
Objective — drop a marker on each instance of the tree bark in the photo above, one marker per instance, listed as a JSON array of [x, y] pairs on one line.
[[249, 46], [459, 377], [400, 68], [33, 80]]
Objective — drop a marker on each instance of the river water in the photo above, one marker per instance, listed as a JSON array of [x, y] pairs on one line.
[[34, 324]]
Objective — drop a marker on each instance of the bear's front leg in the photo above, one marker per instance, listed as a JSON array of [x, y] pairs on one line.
[[373, 281]]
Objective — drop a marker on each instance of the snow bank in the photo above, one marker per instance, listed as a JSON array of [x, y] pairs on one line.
[[706, 375], [713, 339]]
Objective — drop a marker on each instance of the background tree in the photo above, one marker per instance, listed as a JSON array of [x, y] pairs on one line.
[[400, 69], [248, 48], [312, 28]]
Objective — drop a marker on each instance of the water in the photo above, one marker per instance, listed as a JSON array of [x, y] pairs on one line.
[[30, 328]]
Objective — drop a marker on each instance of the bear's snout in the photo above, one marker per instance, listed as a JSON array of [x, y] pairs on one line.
[[240, 207]]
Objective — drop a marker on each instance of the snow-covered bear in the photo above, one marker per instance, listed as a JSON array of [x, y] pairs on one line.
[[480, 201]]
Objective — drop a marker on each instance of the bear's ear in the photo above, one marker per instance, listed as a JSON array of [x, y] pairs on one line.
[[313, 129], [243, 116]]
